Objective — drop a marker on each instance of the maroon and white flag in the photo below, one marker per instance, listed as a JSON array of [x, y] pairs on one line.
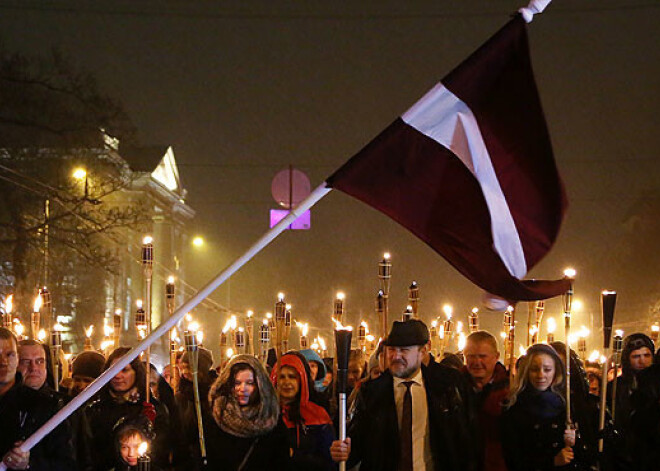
[[469, 169]]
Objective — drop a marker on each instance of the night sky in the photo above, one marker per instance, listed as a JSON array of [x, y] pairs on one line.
[[243, 89]]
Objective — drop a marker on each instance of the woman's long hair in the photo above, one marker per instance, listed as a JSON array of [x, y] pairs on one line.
[[136, 364], [521, 379]]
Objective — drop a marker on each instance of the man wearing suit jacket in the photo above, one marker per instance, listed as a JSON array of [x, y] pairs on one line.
[[413, 417]]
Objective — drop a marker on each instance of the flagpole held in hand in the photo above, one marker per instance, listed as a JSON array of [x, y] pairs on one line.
[[316, 195]]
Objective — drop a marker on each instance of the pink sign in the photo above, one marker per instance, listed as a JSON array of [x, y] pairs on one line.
[[302, 223]]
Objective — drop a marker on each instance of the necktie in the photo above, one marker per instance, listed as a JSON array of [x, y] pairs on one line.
[[405, 434]]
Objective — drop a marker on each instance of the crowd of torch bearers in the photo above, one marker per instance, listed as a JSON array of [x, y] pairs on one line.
[[274, 332]]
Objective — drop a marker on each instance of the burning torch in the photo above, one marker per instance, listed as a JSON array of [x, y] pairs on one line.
[[36, 316], [55, 347], [618, 348], [280, 318], [363, 330], [147, 265], [249, 338], [287, 328], [569, 274], [7, 319], [304, 328], [413, 298], [190, 338], [343, 345], [473, 320], [607, 303], [143, 461], [264, 340], [47, 306], [385, 275]]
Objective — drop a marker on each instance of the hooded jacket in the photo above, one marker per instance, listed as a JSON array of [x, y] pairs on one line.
[[311, 435]]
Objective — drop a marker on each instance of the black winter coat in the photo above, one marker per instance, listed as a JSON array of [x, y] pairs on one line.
[[22, 411], [226, 452], [531, 442], [374, 428], [646, 420], [99, 417]]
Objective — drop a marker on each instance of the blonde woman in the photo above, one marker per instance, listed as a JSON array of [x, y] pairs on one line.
[[534, 432]]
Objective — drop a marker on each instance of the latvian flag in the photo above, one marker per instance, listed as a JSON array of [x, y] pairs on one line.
[[469, 169]]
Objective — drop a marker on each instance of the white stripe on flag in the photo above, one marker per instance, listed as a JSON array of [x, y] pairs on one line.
[[446, 119]]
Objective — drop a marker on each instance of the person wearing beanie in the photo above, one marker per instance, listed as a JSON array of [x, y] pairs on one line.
[[636, 356], [413, 416], [86, 367]]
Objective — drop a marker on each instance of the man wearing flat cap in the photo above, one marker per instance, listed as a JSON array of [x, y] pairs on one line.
[[413, 417]]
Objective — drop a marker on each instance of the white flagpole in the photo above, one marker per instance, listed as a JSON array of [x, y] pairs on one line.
[[164, 328]]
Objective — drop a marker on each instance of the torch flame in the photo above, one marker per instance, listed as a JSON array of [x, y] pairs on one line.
[[570, 273], [386, 256], [9, 303], [147, 240], [38, 302], [138, 303], [434, 323], [280, 296], [552, 325], [193, 326], [41, 336], [340, 295], [227, 326], [448, 310], [475, 310], [321, 342], [265, 322], [365, 325], [304, 328], [655, 328], [230, 352], [462, 340], [269, 315], [584, 332], [250, 313], [200, 337], [594, 357], [19, 329], [233, 322], [340, 326], [370, 338], [173, 334], [142, 448], [459, 327], [170, 280], [619, 332], [533, 330], [522, 350], [89, 331]]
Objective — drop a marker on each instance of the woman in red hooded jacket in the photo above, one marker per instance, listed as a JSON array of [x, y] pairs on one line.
[[310, 431]]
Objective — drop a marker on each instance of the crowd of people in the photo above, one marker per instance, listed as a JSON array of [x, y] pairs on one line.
[[407, 410]]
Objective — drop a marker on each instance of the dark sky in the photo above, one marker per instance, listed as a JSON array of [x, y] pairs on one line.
[[243, 89]]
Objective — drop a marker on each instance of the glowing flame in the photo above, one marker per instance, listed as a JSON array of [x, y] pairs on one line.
[[619, 332], [269, 315], [370, 338], [441, 332], [58, 327], [193, 326], [304, 328], [522, 350], [41, 336], [340, 326], [321, 342], [448, 310], [118, 312], [147, 240], [533, 330], [552, 325], [462, 340], [503, 334], [572, 338], [655, 328], [233, 322], [174, 335], [89, 331], [200, 337], [366, 326], [386, 256], [230, 352], [595, 356], [107, 330], [138, 303], [9, 303], [250, 313], [459, 327], [188, 317], [577, 305], [19, 329], [265, 322], [315, 346], [38, 302], [603, 359], [434, 323], [106, 344], [475, 310], [142, 448], [340, 295], [170, 280], [570, 273], [288, 307], [280, 297], [584, 332]]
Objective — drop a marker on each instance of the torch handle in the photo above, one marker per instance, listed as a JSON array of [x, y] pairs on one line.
[[342, 425], [147, 355], [603, 403], [567, 362], [198, 412]]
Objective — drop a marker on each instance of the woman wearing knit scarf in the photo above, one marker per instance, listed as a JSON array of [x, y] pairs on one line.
[[534, 433], [244, 435]]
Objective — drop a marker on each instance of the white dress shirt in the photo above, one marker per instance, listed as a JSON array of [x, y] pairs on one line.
[[422, 457]]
